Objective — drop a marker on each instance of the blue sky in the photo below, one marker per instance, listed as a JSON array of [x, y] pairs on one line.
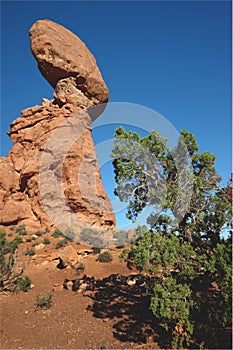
[[171, 56]]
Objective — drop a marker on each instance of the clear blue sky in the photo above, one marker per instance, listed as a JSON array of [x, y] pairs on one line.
[[171, 56]]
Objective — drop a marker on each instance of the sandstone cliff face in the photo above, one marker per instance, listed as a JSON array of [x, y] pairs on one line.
[[51, 176]]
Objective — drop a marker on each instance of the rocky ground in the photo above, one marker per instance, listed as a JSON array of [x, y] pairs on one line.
[[113, 315]]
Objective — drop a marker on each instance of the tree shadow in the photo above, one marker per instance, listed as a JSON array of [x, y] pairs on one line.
[[118, 299]]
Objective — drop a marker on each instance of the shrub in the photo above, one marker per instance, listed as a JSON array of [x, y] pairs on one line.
[[21, 230], [24, 284], [29, 251], [121, 238], [34, 244], [69, 233], [9, 268], [105, 256], [80, 269], [91, 237], [46, 241], [44, 301], [28, 239], [61, 243], [39, 233], [58, 233]]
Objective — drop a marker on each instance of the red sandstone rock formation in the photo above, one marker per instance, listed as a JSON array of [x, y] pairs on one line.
[[51, 175]]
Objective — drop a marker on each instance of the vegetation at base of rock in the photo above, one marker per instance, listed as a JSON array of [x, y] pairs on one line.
[[92, 237], [21, 230], [39, 233], [61, 243], [29, 251], [44, 301], [10, 269], [69, 234], [121, 238], [57, 233], [188, 254], [105, 256], [46, 241], [24, 284]]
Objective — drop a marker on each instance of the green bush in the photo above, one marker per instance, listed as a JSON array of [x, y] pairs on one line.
[[21, 230], [58, 233], [69, 233], [39, 233], [24, 284], [46, 241], [44, 301], [9, 268], [34, 244], [29, 251], [61, 243], [105, 256], [121, 237]]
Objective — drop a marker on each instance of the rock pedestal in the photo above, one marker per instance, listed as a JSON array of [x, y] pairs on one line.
[[51, 175]]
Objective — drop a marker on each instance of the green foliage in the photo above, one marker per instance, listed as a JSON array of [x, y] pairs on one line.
[[121, 238], [171, 305], [148, 172], [105, 256], [46, 241], [61, 243], [57, 233], [44, 301], [34, 244], [9, 268], [21, 230], [29, 252], [69, 233], [39, 233], [183, 252], [24, 284]]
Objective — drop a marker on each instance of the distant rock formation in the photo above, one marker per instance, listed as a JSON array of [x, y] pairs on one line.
[[53, 143]]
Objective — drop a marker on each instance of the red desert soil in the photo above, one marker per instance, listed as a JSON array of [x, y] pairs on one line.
[[112, 316]]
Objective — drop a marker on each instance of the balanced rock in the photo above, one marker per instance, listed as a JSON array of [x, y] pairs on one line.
[[51, 176], [61, 54]]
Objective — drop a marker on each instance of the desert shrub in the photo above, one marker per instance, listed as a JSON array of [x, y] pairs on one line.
[[46, 241], [57, 233], [105, 256], [47, 230], [9, 268], [29, 251], [69, 233], [21, 230], [80, 269], [28, 239], [24, 283], [34, 244], [61, 243], [121, 237], [39, 233], [44, 301], [92, 237], [12, 228]]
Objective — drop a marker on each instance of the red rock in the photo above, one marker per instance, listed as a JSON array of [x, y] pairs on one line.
[[61, 54], [36, 165]]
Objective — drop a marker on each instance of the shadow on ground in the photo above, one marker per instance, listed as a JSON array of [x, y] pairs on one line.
[[127, 304]]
